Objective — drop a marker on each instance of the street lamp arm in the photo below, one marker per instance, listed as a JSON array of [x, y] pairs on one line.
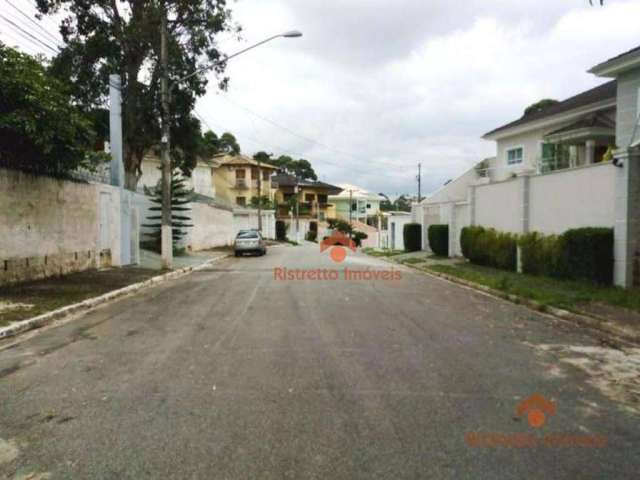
[[229, 57]]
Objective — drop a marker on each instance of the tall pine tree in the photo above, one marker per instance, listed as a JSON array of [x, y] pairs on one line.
[[181, 196]]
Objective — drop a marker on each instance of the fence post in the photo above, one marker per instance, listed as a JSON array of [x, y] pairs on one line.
[[525, 212], [627, 214]]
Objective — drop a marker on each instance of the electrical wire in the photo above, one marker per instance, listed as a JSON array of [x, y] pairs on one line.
[[18, 28], [49, 34]]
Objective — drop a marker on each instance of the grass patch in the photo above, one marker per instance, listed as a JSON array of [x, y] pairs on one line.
[[567, 294], [413, 260], [382, 253], [56, 292]]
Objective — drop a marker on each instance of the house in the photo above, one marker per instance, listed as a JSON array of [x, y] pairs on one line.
[[238, 179], [200, 181], [312, 203], [356, 204], [572, 164], [394, 234]]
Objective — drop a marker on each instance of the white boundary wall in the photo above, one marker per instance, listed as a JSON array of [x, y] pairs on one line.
[[550, 203]]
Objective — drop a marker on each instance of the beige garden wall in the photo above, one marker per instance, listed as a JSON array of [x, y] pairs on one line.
[[50, 226]]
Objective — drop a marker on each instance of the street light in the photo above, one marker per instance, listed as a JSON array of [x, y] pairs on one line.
[[166, 233]]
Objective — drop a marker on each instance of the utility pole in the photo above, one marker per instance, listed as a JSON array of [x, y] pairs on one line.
[[259, 197], [419, 182], [350, 212], [297, 190], [166, 234]]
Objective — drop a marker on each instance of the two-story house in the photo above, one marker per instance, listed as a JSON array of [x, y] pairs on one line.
[[238, 179], [302, 203], [356, 204]]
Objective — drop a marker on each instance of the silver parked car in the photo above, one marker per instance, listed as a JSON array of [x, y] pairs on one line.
[[249, 241]]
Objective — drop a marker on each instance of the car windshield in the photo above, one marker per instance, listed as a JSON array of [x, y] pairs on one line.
[[248, 235]]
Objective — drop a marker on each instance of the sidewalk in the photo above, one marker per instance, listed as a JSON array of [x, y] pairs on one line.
[[607, 309], [30, 299]]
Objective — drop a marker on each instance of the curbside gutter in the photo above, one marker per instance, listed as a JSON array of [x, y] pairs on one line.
[[92, 303], [592, 322]]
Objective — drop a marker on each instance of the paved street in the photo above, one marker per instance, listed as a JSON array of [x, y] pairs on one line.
[[231, 374]]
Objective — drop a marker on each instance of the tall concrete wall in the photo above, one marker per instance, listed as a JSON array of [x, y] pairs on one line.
[[498, 205], [51, 226], [581, 197]]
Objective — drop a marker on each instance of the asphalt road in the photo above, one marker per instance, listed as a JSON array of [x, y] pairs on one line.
[[231, 373]]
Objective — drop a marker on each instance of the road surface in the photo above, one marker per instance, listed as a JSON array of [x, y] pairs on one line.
[[231, 373]]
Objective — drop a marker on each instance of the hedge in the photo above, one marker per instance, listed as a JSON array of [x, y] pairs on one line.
[[412, 234], [487, 246], [281, 230], [577, 254], [439, 239]]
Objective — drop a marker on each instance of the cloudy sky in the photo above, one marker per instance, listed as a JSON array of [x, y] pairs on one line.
[[376, 86]]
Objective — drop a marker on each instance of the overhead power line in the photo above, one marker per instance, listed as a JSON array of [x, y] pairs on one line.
[[304, 137], [28, 34], [37, 24], [264, 145]]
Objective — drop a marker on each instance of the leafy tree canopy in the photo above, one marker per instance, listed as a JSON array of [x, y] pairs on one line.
[[300, 168], [108, 36], [540, 106], [400, 204], [41, 130], [212, 145]]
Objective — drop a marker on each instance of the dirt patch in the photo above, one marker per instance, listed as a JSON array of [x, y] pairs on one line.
[[613, 371]]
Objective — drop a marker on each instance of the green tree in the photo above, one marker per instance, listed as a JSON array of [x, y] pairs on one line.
[[41, 130], [211, 144], [102, 37], [265, 202], [181, 196], [540, 106], [299, 168]]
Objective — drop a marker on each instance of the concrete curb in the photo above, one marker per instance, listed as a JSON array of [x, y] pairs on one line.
[[91, 303], [593, 322]]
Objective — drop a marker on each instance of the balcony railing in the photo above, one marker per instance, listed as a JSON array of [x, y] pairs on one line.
[[305, 209], [550, 164]]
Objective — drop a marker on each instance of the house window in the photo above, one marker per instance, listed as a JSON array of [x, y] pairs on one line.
[[368, 205], [242, 201], [322, 198], [309, 197], [515, 155], [354, 206], [265, 175], [254, 173], [240, 173]]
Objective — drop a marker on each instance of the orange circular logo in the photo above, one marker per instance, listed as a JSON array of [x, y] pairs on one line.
[[536, 418], [338, 254]]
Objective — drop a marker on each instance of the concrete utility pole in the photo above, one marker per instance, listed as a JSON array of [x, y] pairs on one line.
[[115, 131], [259, 197], [166, 234], [165, 91], [419, 182], [297, 191]]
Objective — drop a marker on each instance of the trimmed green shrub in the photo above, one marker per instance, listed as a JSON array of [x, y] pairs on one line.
[[439, 239], [281, 230], [540, 254], [587, 254], [412, 234], [311, 236], [487, 246]]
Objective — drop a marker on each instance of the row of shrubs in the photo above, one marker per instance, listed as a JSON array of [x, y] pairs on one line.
[[578, 254]]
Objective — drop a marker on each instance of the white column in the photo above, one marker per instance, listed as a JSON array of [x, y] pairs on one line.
[[627, 214], [590, 152], [524, 212], [451, 208]]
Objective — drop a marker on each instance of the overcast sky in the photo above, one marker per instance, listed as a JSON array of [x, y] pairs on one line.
[[376, 86]]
